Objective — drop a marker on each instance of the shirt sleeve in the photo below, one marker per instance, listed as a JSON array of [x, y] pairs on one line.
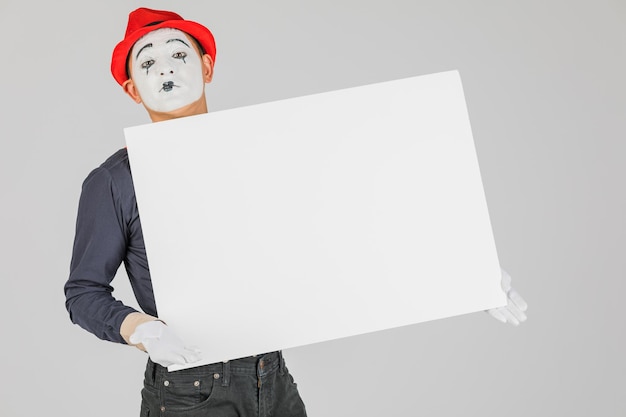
[[100, 245]]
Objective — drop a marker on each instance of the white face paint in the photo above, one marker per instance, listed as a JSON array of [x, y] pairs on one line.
[[167, 70]]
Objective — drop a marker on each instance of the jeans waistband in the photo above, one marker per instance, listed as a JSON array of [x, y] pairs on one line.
[[258, 365]]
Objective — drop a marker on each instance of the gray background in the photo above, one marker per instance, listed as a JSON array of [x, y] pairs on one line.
[[546, 96]]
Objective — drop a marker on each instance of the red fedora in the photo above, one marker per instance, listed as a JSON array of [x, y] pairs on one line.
[[142, 21]]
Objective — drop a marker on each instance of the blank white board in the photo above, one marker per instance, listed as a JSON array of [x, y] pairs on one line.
[[315, 218]]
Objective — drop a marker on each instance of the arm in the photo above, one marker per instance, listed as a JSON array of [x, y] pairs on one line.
[[108, 232], [100, 246]]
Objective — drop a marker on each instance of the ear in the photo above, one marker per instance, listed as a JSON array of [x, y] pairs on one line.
[[207, 68], [131, 90]]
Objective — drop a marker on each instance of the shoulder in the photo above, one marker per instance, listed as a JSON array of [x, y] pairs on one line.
[[117, 165], [114, 171]]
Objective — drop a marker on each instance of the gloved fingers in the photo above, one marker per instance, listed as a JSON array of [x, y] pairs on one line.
[[191, 355], [170, 357], [496, 314], [515, 311], [517, 300], [194, 349], [510, 318], [163, 345], [181, 355]]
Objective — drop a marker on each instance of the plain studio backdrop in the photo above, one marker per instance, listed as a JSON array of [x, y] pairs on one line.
[[544, 84]]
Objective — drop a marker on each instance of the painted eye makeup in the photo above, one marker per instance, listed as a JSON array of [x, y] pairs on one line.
[[147, 64], [180, 55]]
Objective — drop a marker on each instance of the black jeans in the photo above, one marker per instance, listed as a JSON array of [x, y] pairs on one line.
[[256, 386]]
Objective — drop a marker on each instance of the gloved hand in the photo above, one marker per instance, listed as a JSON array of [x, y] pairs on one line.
[[513, 312], [163, 346]]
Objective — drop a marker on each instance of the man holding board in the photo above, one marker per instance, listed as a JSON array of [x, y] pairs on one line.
[[164, 63]]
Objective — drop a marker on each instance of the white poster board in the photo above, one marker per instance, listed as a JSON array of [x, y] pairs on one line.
[[315, 218]]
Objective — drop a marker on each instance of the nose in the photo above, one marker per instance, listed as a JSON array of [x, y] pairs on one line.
[[164, 67]]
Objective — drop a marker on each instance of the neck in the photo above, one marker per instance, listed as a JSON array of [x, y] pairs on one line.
[[193, 109]]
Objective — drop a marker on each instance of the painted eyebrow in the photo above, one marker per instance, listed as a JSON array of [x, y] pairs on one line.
[[148, 45], [179, 40]]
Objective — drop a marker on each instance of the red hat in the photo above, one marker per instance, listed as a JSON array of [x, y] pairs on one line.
[[142, 21]]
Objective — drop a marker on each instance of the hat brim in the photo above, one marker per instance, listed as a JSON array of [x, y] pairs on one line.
[[122, 49]]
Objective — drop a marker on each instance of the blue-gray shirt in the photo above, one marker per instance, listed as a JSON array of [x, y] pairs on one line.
[[108, 232]]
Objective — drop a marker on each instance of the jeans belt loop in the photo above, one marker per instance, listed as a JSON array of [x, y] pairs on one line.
[[152, 372], [281, 362], [225, 373]]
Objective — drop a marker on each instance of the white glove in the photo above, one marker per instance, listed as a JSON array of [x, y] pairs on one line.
[[163, 346], [513, 312]]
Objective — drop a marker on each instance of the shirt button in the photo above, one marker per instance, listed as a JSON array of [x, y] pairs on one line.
[[166, 383], [162, 408], [216, 376], [196, 383]]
